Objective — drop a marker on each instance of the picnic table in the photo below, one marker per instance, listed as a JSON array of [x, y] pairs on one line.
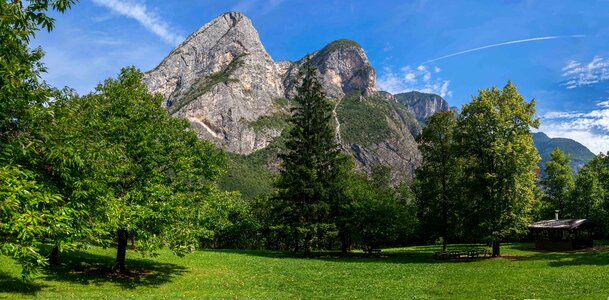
[[475, 253]]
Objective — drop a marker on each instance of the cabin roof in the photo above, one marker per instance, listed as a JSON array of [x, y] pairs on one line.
[[562, 224]]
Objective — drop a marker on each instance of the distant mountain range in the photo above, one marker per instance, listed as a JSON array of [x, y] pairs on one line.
[[580, 155], [222, 80]]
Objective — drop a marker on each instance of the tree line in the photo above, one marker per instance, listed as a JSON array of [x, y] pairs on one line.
[[113, 168]]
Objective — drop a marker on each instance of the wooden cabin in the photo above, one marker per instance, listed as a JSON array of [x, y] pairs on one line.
[[562, 235]]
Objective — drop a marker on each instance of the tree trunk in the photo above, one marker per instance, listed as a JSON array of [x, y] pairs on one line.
[[121, 251], [344, 242], [444, 243], [54, 256], [307, 245], [296, 242], [496, 249]]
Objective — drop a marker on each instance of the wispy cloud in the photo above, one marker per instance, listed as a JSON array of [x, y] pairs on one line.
[[589, 128], [150, 20], [543, 38], [577, 74], [409, 78]]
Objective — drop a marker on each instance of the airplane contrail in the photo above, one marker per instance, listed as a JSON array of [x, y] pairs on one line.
[[508, 43]]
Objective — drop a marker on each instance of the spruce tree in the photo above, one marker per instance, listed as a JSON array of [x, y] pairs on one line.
[[309, 163]]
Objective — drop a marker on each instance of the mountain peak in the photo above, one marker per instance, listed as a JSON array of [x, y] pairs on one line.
[[423, 105], [339, 44], [344, 67]]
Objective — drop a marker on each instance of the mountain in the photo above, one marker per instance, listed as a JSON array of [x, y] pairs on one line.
[[222, 80], [580, 155], [423, 105]]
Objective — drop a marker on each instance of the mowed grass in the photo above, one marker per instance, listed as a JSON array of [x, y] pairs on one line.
[[397, 273]]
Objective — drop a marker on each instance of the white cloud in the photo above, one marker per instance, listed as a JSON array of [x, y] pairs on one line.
[[590, 128], [409, 78], [603, 104], [577, 74], [150, 20]]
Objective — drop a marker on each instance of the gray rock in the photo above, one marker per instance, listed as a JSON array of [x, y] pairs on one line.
[[423, 105], [343, 67], [220, 79], [223, 81]]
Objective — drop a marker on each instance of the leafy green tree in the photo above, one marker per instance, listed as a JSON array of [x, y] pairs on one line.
[[22, 94], [496, 143], [438, 179], [32, 206], [557, 184], [586, 199], [590, 197], [309, 165], [158, 176], [381, 215], [341, 202]]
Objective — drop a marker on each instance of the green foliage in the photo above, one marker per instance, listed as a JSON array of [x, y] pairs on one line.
[[28, 213], [586, 198], [31, 210], [281, 103], [557, 184], [494, 137], [439, 179], [202, 85], [380, 215], [590, 197], [159, 177], [335, 45], [278, 121], [363, 120], [246, 175], [308, 169]]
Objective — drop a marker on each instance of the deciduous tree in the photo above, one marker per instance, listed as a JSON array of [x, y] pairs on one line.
[[495, 140], [557, 184]]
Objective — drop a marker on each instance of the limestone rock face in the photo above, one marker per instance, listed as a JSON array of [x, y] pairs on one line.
[[423, 105], [343, 67], [221, 79]]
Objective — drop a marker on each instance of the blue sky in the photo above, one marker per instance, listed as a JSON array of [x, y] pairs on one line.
[[554, 51]]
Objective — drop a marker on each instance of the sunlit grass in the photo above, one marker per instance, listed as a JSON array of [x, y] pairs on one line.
[[397, 273]]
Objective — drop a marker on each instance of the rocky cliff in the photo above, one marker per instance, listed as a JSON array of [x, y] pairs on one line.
[[220, 79], [423, 105], [223, 81]]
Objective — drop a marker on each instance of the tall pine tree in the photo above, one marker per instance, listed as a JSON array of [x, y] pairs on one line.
[[309, 166]]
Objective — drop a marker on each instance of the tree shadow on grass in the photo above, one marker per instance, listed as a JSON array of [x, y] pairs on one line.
[[14, 285], [597, 256], [397, 257], [90, 269]]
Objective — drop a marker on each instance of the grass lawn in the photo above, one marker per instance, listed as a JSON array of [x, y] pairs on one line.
[[397, 273]]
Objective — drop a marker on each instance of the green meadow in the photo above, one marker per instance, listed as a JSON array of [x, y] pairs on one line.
[[521, 273]]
